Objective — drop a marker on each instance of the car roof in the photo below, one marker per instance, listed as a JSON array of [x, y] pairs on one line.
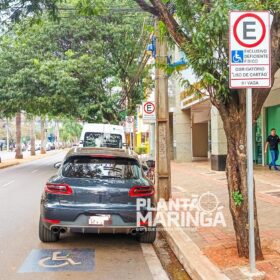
[[93, 125], [91, 151]]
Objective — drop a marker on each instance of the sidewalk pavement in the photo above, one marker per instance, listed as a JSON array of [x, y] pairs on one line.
[[4, 155], [8, 162], [218, 243]]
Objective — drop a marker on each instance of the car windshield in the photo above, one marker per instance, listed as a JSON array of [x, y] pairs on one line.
[[108, 168], [98, 139]]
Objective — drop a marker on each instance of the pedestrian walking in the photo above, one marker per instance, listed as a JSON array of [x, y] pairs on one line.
[[1, 146], [272, 141]]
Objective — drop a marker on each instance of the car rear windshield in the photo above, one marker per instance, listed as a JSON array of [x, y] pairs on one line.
[[95, 167], [97, 139]]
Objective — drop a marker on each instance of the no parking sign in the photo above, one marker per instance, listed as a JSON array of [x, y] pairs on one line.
[[149, 112], [129, 123], [249, 49]]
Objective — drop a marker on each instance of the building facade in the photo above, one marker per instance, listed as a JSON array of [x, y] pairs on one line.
[[268, 119], [197, 129]]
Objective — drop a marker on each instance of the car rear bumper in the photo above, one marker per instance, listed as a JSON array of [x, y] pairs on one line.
[[77, 219], [99, 230], [83, 227]]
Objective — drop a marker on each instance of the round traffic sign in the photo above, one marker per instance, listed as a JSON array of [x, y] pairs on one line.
[[149, 108], [258, 40]]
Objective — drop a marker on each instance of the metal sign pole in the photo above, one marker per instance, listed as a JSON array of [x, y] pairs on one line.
[[249, 32], [250, 179]]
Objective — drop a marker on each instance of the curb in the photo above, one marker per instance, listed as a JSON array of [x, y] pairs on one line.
[[9, 165], [153, 262], [196, 264]]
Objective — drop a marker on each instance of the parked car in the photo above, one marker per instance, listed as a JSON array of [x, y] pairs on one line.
[[37, 147], [95, 191]]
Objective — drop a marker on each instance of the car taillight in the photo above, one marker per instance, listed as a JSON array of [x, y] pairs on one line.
[[51, 221], [63, 189], [138, 191]]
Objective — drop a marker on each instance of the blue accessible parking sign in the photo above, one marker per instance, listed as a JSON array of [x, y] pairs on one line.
[[237, 56], [57, 260]]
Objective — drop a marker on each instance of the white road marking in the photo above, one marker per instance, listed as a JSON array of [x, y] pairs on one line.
[[34, 171], [155, 267], [7, 184]]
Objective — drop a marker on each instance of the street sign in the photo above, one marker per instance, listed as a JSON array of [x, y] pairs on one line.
[[149, 112], [249, 49], [129, 123], [249, 53]]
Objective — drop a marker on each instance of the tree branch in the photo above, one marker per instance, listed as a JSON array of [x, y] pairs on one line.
[[162, 13], [171, 24], [147, 8]]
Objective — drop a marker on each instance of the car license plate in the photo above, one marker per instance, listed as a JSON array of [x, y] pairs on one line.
[[99, 220]]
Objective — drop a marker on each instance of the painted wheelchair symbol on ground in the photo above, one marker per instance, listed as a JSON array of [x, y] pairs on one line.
[[54, 260]]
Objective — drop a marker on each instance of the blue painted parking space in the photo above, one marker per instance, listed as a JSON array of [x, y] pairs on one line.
[[57, 260]]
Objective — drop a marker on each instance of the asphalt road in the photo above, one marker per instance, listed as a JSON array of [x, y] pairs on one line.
[[110, 256]]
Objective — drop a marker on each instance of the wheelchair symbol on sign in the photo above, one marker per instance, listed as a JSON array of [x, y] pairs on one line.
[[56, 257], [237, 56]]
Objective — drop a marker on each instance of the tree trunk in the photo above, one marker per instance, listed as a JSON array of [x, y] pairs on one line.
[[32, 137], [7, 135], [236, 170], [18, 137], [43, 135], [57, 139]]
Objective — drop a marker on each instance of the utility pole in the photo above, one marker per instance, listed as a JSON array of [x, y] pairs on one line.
[[152, 140], [163, 173]]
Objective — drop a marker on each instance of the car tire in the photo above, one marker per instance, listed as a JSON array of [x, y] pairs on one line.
[[47, 235], [148, 236]]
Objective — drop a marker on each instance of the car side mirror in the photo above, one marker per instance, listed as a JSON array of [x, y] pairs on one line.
[[125, 145], [81, 142], [57, 165]]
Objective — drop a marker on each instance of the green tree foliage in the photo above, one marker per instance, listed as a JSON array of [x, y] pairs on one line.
[[206, 31], [13, 11], [70, 131], [80, 66]]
